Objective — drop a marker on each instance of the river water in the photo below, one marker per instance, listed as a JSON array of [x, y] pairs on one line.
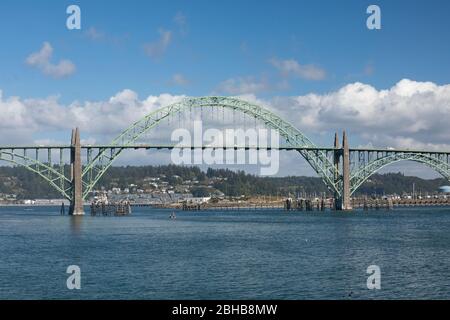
[[267, 254]]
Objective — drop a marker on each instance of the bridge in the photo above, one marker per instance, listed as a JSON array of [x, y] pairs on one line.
[[342, 169]]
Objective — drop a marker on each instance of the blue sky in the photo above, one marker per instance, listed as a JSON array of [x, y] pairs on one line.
[[315, 62], [222, 40]]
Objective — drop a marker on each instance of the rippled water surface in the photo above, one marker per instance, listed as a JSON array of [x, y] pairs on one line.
[[225, 255]]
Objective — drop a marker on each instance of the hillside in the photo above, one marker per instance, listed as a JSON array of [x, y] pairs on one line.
[[26, 185]]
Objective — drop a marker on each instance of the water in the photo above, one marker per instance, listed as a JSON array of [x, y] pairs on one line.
[[225, 255]]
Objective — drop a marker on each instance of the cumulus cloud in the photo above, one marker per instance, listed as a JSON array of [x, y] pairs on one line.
[[292, 67], [41, 60], [243, 85], [410, 114], [157, 49], [23, 118]]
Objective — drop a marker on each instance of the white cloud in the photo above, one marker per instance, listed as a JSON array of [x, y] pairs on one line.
[[292, 67], [94, 34], [410, 114], [180, 20], [243, 85], [99, 36], [179, 80], [157, 49], [22, 119], [41, 60]]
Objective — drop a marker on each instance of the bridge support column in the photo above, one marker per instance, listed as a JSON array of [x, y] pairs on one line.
[[346, 203], [343, 202], [336, 159], [76, 203]]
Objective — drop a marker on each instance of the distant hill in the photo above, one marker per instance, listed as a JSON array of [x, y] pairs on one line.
[[27, 185]]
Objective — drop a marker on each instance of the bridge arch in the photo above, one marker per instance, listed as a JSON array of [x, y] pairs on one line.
[[56, 179], [362, 174], [317, 159]]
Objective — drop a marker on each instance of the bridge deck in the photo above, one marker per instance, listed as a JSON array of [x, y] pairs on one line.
[[172, 146]]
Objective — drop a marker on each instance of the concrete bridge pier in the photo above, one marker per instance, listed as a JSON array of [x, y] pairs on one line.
[[76, 203], [343, 202], [336, 160]]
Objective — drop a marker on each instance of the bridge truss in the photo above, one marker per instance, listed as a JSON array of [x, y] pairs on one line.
[[293, 137], [363, 162]]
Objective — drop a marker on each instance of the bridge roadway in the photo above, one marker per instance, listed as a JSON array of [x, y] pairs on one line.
[[360, 162], [173, 146]]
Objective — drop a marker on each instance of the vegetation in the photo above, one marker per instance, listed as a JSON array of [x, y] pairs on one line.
[[27, 185]]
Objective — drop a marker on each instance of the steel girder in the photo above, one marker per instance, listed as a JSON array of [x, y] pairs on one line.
[[433, 160], [56, 179], [317, 159]]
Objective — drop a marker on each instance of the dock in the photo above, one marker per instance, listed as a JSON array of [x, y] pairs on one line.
[[314, 204], [110, 209]]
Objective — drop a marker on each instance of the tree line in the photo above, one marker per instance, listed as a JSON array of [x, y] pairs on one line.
[[28, 185]]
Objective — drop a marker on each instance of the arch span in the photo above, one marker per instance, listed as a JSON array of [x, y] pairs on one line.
[[49, 174], [317, 159], [361, 175]]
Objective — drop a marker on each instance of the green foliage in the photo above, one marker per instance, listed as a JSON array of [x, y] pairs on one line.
[[27, 185], [201, 191], [397, 183]]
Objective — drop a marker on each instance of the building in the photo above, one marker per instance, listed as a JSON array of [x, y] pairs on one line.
[[197, 200]]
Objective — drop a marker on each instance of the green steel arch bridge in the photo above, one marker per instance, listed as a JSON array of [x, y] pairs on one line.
[[342, 169]]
